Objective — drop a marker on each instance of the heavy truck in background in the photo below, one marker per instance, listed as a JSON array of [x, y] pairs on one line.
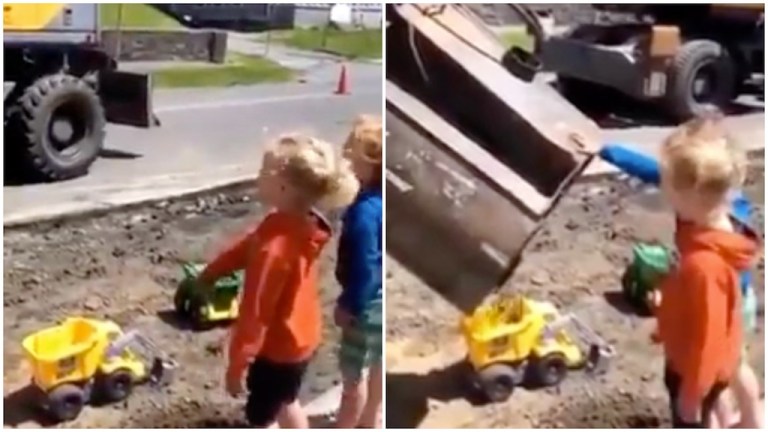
[[681, 57], [61, 88], [478, 153]]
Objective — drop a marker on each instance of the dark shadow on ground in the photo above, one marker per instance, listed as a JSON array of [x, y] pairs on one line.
[[172, 318], [22, 406], [617, 300], [408, 394], [118, 154], [611, 109]]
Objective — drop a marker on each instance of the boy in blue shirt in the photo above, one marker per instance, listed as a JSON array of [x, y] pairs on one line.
[[359, 308]]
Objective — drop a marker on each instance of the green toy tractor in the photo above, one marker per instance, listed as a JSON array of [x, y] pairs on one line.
[[650, 263], [202, 305]]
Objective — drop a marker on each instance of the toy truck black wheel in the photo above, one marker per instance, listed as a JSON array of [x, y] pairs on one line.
[[181, 303], [197, 314], [497, 381], [65, 402], [61, 127], [551, 369], [117, 386], [702, 75]]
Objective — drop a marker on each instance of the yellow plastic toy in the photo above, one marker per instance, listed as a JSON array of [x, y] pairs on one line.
[[512, 339], [82, 358]]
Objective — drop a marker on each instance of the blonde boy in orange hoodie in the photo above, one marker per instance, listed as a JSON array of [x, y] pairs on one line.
[[699, 315], [279, 324]]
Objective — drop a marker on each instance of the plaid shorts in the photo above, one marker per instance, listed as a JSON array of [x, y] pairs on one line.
[[361, 343]]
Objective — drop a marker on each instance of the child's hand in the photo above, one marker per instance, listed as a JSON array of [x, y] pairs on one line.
[[653, 298], [234, 383], [584, 145], [342, 318], [687, 413]]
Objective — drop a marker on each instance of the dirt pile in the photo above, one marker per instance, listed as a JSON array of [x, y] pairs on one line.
[[608, 411]]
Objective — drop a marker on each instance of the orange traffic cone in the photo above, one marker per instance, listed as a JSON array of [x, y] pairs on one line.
[[343, 87]]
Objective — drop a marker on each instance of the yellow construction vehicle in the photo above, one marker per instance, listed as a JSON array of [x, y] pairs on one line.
[[514, 339], [84, 359], [65, 88]]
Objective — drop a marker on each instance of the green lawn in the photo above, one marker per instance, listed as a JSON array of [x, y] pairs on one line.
[[237, 70], [517, 37], [135, 15], [351, 44]]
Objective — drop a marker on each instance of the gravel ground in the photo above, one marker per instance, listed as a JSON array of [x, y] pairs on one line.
[[576, 261], [125, 266]]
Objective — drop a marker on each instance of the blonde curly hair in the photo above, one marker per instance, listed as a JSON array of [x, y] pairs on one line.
[[313, 166], [700, 157], [366, 139]]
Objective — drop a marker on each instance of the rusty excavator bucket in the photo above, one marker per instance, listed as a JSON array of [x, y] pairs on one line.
[[477, 156]]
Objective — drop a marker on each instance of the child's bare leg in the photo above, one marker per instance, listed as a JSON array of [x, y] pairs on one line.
[[370, 415], [353, 398], [292, 416], [746, 388], [721, 415]]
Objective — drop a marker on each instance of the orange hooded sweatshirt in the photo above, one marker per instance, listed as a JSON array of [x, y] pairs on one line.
[[280, 317], [699, 318]]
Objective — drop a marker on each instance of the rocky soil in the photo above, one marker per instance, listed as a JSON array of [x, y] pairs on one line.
[[124, 266], [575, 261]]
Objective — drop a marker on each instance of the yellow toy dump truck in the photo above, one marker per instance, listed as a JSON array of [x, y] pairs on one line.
[[83, 359], [64, 88], [514, 339]]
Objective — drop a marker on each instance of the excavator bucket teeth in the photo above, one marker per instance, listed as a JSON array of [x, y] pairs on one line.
[[476, 157]]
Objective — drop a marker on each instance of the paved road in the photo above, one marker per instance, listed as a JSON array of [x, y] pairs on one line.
[[207, 136]]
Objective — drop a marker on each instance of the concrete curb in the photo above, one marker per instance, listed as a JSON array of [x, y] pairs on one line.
[[124, 201]]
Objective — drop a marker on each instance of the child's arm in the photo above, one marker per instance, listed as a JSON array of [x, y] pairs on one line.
[[631, 162], [229, 260], [361, 273], [705, 325], [258, 308]]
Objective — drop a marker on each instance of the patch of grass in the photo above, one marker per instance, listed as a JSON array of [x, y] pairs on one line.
[[351, 44], [135, 15], [238, 70], [517, 37]]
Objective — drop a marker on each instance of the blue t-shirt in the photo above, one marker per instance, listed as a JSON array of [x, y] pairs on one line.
[[359, 259], [646, 169]]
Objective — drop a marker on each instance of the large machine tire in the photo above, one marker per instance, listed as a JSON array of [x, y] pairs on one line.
[[715, 88], [61, 124]]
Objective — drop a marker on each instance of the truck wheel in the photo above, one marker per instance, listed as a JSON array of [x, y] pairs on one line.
[[65, 402], [701, 75], [181, 303], [497, 381], [62, 122], [551, 369], [198, 314], [117, 386]]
